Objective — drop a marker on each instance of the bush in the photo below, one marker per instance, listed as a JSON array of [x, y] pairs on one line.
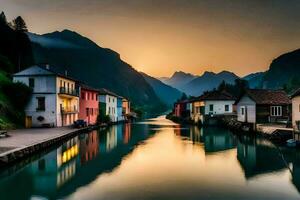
[[18, 94], [103, 119]]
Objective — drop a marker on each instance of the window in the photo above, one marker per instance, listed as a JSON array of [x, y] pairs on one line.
[[88, 94], [87, 111], [40, 103], [211, 107], [243, 111], [82, 95], [226, 108], [61, 83], [276, 111], [108, 99], [108, 110], [31, 82]]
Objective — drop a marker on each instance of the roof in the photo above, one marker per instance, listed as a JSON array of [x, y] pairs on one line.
[[104, 91], [86, 87], [215, 96], [270, 97], [41, 70], [296, 93]]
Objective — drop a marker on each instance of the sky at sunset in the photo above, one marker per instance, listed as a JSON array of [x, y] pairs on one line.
[[159, 37]]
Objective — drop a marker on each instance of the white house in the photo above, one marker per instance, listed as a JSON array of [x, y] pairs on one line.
[[108, 103], [54, 101], [211, 104]]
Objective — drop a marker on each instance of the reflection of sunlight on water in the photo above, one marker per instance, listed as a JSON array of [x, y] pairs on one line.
[[161, 121]]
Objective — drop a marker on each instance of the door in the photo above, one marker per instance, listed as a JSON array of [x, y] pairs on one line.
[[28, 122]]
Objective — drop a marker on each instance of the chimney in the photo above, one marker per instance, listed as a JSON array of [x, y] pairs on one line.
[[47, 66], [66, 72]]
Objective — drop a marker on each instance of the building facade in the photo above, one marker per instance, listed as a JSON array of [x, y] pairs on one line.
[[88, 104], [54, 101], [108, 104], [263, 106], [210, 105]]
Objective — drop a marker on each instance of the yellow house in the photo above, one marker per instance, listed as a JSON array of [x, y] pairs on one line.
[[67, 101]]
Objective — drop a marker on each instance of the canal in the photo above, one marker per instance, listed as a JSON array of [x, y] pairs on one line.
[[156, 159]]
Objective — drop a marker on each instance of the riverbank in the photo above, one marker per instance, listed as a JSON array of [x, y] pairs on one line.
[[22, 143]]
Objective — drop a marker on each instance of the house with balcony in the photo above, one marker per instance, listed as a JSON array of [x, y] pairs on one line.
[[55, 98], [88, 104], [108, 104]]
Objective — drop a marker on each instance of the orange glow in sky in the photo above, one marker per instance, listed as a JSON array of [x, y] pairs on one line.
[[160, 37]]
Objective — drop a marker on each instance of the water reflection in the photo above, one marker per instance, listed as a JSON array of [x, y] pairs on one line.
[[158, 159]]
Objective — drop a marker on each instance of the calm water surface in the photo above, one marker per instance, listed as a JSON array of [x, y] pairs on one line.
[[157, 159]]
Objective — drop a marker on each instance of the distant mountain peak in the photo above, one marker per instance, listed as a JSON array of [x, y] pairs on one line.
[[181, 74]]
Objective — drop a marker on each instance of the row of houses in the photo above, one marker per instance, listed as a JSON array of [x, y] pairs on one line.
[[59, 100], [254, 106]]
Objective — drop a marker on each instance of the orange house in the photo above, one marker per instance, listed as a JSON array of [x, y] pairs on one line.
[[88, 104]]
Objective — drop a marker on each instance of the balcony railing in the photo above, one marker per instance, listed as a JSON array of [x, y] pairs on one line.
[[69, 109], [68, 91]]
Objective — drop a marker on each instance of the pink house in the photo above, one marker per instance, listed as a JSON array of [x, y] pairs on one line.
[[88, 104]]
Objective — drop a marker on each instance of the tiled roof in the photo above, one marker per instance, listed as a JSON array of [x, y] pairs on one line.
[[89, 88], [216, 95], [272, 97]]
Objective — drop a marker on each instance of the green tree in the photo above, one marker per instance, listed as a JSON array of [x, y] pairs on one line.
[[19, 24], [18, 94], [3, 19]]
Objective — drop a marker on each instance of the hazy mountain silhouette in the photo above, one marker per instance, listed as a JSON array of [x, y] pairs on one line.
[[254, 79], [96, 66], [208, 81], [178, 79], [165, 92]]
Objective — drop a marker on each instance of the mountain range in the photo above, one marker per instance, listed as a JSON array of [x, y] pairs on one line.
[[195, 85], [96, 66], [166, 93]]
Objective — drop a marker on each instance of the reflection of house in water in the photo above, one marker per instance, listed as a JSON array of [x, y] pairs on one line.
[[258, 156], [214, 138], [55, 169], [89, 146], [177, 130], [113, 136], [218, 139], [126, 133]]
